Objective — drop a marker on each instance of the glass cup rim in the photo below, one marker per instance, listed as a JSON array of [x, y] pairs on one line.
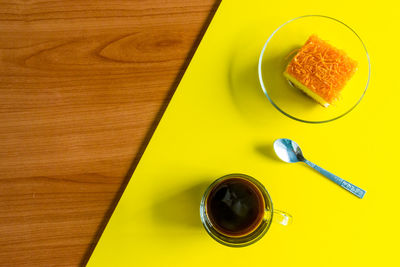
[[253, 236], [260, 78]]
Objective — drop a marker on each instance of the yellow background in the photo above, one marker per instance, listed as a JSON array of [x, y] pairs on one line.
[[219, 122]]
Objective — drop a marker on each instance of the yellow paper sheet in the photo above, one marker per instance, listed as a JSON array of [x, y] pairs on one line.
[[219, 122]]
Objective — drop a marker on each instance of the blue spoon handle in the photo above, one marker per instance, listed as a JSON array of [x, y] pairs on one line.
[[343, 183]]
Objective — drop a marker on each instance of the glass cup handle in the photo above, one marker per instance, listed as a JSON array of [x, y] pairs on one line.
[[282, 217]]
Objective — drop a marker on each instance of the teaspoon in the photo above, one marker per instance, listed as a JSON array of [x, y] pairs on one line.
[[289, 151]]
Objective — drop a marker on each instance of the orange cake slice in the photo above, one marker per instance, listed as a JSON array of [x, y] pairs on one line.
[[320, 70]]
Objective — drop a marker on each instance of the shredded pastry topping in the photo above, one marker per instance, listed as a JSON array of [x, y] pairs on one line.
[[322, 68]]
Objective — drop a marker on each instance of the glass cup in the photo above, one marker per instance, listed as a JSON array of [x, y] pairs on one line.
[[260, 227]]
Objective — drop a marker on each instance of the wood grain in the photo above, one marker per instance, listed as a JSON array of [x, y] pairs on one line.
[[82, 87]]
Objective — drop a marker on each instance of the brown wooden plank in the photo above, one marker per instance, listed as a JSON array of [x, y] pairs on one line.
[[82, 87]]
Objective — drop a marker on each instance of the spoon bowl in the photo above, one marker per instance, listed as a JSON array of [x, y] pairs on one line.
[[288, 150]]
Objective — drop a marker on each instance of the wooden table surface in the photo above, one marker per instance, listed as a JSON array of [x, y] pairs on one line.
[[82, 87]]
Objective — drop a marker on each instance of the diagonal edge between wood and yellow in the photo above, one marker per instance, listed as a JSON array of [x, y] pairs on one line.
[[219, 121]]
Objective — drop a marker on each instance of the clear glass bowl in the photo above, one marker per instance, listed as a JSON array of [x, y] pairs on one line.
[[276, 54]]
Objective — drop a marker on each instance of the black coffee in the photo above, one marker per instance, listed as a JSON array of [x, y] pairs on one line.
[[235, 207]]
